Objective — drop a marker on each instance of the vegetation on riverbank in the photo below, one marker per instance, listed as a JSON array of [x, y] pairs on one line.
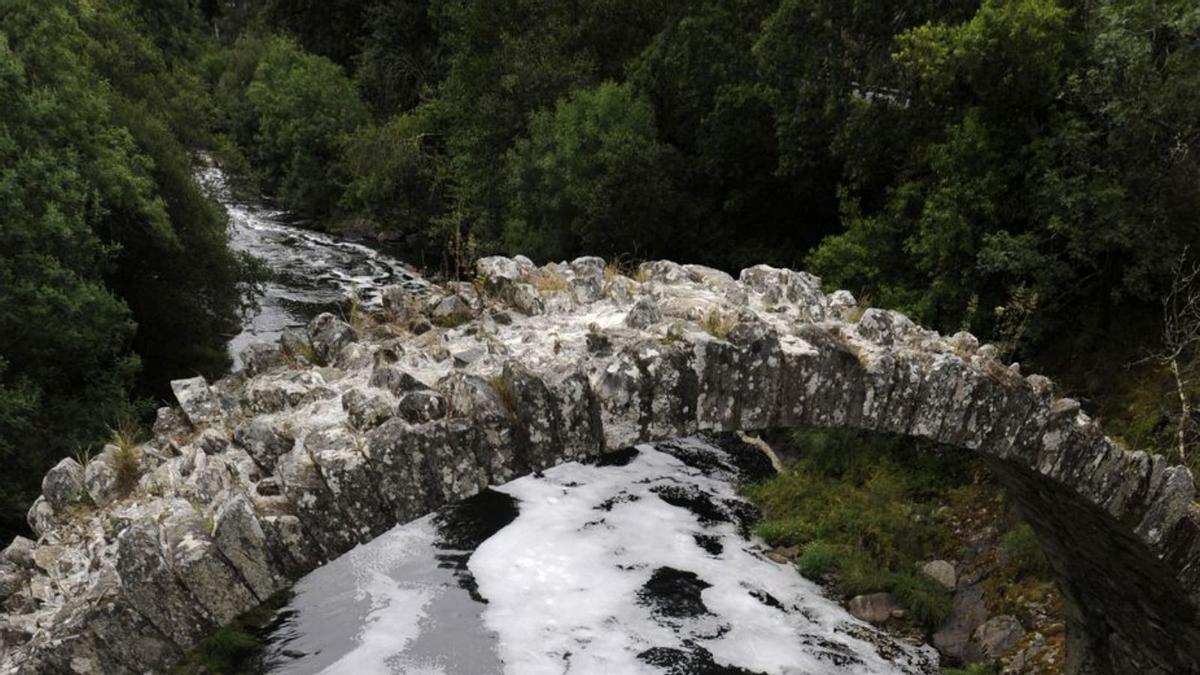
[[114, 270], [863, 513]]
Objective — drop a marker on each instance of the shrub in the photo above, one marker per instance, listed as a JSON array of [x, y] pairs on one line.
[[818, 559], [927, 602], [1021, 548]]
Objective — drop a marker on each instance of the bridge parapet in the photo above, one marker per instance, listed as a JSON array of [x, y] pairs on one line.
[[331, 437]]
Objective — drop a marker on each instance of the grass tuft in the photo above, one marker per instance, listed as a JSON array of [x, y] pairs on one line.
[[717, 324]]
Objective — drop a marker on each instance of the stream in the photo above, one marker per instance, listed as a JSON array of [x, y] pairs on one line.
[[641, 562]]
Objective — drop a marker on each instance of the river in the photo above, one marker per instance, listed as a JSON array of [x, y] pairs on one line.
[[642, 562]]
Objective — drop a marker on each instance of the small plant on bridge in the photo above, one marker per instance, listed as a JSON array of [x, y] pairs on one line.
[[718, 324]]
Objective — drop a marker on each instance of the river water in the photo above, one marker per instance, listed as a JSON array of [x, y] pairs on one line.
[[642, 562], [311, 272]]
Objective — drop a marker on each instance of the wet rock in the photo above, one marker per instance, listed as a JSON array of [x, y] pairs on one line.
[[873, 608], [365, 410], [63, 484], [998, 635], [941, 572], [674, 593], [197, 400], [417, 407], [328, 334]]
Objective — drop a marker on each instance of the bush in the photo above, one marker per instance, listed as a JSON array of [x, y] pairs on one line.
[[1022, 549], [928, 603], [818, 559]]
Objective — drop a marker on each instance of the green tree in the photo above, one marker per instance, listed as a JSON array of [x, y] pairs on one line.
[[593, 178], [304, 106]]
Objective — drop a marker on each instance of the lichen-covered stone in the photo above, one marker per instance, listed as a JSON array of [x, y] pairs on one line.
[[63, 484], [197, 400], [328, 334]]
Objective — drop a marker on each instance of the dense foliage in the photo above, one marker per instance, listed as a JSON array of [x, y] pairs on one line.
[[1020, 168], [114, 272]]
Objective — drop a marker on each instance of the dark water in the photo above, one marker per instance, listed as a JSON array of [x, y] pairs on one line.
[[312, 272]]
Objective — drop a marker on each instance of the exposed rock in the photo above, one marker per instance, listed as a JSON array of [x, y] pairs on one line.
[[19, 552], [197, 400], [451, 311], [941, 572], [328, 334], [1025, 657], [170, 423], [366, 410], [954, 637], [12, 580], [873, 608], [261, 357], [40, 516], [644, 313], [422, 406], [998, 635], [266, 442], [100, 477], [395, 380], [63, 484]]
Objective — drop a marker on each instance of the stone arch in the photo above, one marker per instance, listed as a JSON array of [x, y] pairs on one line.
[[261, 477]]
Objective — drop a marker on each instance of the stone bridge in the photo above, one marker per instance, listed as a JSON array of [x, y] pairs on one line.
[[331, 437]]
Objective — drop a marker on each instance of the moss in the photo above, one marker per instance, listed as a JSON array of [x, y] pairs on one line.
[[234, 649]]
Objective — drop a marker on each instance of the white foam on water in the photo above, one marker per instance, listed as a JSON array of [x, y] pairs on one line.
[[562, 582], [396, 609]]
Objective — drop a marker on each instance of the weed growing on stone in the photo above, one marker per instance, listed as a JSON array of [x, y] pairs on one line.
[[717, 324]]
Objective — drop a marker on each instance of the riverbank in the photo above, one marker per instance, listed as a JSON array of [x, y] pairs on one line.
[[918, 540]]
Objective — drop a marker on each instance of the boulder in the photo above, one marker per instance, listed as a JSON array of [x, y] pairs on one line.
[[873, 608], [953, 638], [422, 406], [260, 357], [63, 484], [450, 311], [941, 572], [100, 478], [19, 552], [644, 313], [328, 334], [394, 380], [12, 580], [40, 516], [364, 409], [998, 635], [197, 400], [264, 441]]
